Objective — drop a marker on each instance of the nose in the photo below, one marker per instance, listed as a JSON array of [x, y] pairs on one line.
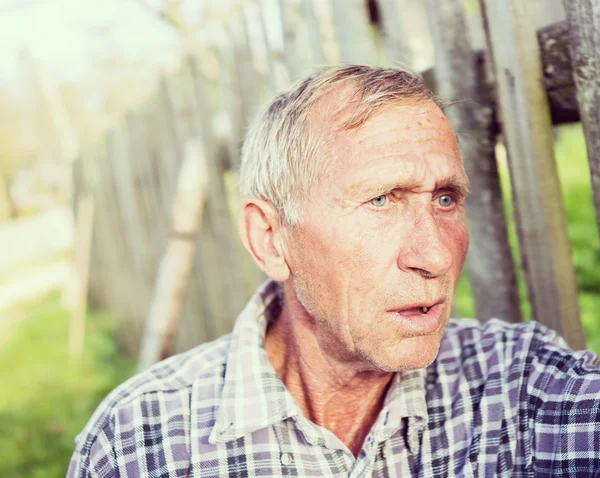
[[425, 249]]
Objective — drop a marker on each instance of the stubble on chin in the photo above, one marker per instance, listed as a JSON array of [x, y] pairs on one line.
[[397, 351]]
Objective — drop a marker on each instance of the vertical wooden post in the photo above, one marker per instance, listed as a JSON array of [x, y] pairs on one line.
[[296, 43], [152, 224], [124, 178], [221, 230], [314, 32], [325, 18], [279, 76], [248, 82], [178, 112], [116, 198], [85, 221], [540, 216], [460, 79], [108, 233], [584, 40], [86, 182], [176, 265], [351, 21], [394, 34], [231, 99]]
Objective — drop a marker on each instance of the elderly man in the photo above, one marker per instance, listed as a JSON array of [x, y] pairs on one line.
[[346, 363]]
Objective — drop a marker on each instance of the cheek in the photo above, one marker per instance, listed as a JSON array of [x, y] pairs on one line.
[[458, 242], [322, 250]]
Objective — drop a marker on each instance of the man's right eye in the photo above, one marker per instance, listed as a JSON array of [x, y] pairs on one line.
[[379, 201]]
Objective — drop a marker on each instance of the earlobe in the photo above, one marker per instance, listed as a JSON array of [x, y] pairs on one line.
[[259, 229]]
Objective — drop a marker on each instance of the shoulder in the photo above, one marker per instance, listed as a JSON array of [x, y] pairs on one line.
[[540, 353], [497, 337], [160, 393]]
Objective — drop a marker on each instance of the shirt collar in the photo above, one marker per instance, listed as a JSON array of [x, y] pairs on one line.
[[405, 399], [254, 397]]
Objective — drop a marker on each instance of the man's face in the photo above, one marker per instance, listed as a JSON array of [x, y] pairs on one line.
[[382, 237]]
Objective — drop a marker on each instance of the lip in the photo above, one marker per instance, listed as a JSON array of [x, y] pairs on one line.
[[420, 324]]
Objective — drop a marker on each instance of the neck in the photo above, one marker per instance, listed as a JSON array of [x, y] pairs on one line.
[[334, 391]]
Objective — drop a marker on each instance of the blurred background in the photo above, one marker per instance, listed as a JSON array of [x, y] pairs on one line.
[[120, 129]]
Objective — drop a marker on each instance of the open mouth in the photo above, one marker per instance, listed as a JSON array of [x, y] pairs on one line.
[[419, 309], [420, 318]]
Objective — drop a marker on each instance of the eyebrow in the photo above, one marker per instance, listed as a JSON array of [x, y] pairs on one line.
[[456, 183]]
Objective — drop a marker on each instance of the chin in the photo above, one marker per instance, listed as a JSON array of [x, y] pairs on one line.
[[410, 354]]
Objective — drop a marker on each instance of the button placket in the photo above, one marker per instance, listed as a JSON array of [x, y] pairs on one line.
[[383, 451]]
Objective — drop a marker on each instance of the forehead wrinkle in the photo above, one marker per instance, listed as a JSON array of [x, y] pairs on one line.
[[401, 148], [420, 133], [368, 187], [456, 181], [365, 143]]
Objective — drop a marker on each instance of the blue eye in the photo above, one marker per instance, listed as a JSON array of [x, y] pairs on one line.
[[445, 200], [379, 201]]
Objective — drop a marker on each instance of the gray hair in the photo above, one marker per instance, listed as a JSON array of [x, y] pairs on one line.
[[283, 155]]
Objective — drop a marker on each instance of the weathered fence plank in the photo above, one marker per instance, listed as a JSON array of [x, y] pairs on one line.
[[218, 216], [584, 25], [178, 113], [106, 239], [394, 35], [558, 77], [351, 22], [134, 244], [527, 127], [314, 32], [81, 269], [162, 323], [471, 113], [232, 106], [296, 43], [245, 97], [146, 189], [558, 74], [324, 14], [124, 272]]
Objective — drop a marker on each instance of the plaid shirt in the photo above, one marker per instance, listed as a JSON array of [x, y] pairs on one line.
[[500, 399]]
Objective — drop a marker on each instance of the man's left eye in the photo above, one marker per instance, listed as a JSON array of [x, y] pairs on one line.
[[379, 201], [446, 200]]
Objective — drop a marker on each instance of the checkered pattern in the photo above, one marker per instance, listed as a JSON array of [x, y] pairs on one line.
[[499, 400]]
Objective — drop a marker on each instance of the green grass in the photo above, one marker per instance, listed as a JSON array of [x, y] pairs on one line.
[[577, 194], [47, 398], [573, 171]]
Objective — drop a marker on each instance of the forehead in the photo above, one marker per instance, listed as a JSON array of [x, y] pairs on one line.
[[407, 138], [406, 123]]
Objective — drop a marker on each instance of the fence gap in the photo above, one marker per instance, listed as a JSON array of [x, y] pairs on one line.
[[584, 39], [527, 127]]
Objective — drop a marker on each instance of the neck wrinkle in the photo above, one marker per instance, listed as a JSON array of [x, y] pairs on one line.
[[338, 395]]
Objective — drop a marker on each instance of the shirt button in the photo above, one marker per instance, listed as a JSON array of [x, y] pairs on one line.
[[383, 452], [286, 459]]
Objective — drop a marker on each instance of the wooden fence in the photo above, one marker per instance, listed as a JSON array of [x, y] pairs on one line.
[[516, 88]]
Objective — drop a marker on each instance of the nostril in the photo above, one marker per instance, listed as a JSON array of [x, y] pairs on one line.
[[423, 273]]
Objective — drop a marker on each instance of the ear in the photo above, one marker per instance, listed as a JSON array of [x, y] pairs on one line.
[[260, 231]]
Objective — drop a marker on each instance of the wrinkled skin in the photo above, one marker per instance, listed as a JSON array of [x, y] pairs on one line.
[[351, 261], [384, 232]]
